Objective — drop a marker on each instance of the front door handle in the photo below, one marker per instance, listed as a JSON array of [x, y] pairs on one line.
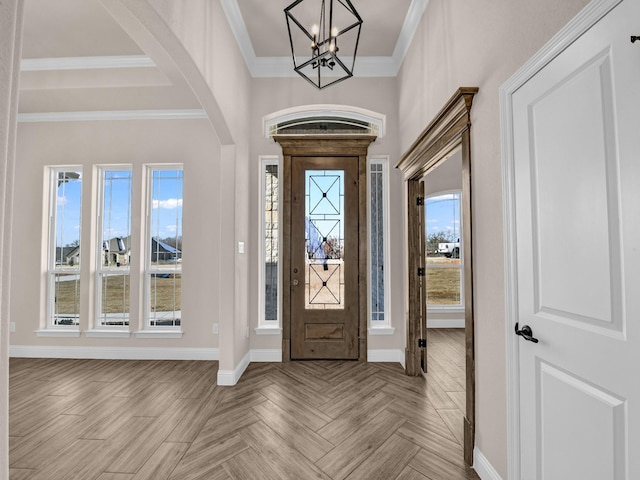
[[526, 333], [295, 282]]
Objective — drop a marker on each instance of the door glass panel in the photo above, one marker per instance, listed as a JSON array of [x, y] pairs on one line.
[[324, 239]]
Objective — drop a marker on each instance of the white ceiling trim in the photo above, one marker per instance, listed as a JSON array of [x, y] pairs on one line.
[[93, 116], [409, 28], [270, 67], [86, 63]]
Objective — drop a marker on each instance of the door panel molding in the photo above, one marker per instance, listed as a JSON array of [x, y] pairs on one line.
[[324, 146], [448, 132]]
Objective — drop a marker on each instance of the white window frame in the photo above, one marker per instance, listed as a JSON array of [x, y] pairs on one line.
[[449, 309], [380, 327], [147, 330], [100, 270], [269, 327], [50, 329]]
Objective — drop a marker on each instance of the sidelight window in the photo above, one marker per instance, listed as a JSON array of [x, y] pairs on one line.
[[270, 265], [378, 245]]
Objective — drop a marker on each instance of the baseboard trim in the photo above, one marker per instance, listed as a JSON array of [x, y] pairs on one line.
[[483, 467], [229, 378], [386, 356], [266, 355], [113, 353], [225, 377], [442, 323]]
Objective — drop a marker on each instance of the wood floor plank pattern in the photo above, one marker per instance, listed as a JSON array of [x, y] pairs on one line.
[[168, 420]]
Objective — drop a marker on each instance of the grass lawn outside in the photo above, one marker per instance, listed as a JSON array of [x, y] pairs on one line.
[[166, 294], [443, 284]]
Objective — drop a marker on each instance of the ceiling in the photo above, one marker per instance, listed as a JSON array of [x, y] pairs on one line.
[[387, 30], [77, 58]]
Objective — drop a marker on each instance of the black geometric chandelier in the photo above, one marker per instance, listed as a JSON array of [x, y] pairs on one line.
[[324, 38]]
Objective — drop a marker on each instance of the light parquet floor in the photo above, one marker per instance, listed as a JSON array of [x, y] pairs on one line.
[[157, 420]]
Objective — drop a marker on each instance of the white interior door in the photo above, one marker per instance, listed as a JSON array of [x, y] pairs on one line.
[[577, 214]]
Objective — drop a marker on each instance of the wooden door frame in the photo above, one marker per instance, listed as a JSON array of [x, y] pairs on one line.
[[449, 131], [324, 146]]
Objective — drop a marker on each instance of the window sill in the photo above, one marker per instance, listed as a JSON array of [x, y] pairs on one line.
[[62, 332], [382, 330], [268, 330], [446, 309], [159, 334], [107, 333]]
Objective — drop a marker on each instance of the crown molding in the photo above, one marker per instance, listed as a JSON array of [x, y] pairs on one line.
[[94, 116], [409, 28], [85, 63], [280, 67]]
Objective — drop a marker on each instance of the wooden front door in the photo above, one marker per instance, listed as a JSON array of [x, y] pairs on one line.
[[324, 247], [324, 258]]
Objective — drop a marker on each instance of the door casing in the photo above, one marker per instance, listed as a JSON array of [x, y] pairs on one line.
[[448, 132], [324, 146]]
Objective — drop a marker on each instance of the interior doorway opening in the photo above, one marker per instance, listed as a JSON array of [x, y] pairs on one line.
[[447, 134]]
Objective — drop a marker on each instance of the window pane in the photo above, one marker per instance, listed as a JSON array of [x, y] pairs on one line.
[[67, 215], [443, 286], [165, 299], [66, 301], [377, 243], [271, 242], [114, 308], [166, 217], [165, 255], [116, 218], [443, 249], [115, 247]]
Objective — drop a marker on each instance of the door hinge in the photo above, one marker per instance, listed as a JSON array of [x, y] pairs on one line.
[[422, 343], [421, 271], [420, 201]]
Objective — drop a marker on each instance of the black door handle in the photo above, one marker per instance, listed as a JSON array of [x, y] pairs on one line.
[[526, 333]]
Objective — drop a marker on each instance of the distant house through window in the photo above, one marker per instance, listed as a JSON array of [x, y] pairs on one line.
[[163, 285], [65, 215], [113, 265]]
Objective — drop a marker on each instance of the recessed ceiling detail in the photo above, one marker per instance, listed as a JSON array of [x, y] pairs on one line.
[[261, 32]]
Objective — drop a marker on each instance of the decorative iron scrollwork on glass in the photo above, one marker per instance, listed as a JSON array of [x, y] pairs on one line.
[[324, 237]]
